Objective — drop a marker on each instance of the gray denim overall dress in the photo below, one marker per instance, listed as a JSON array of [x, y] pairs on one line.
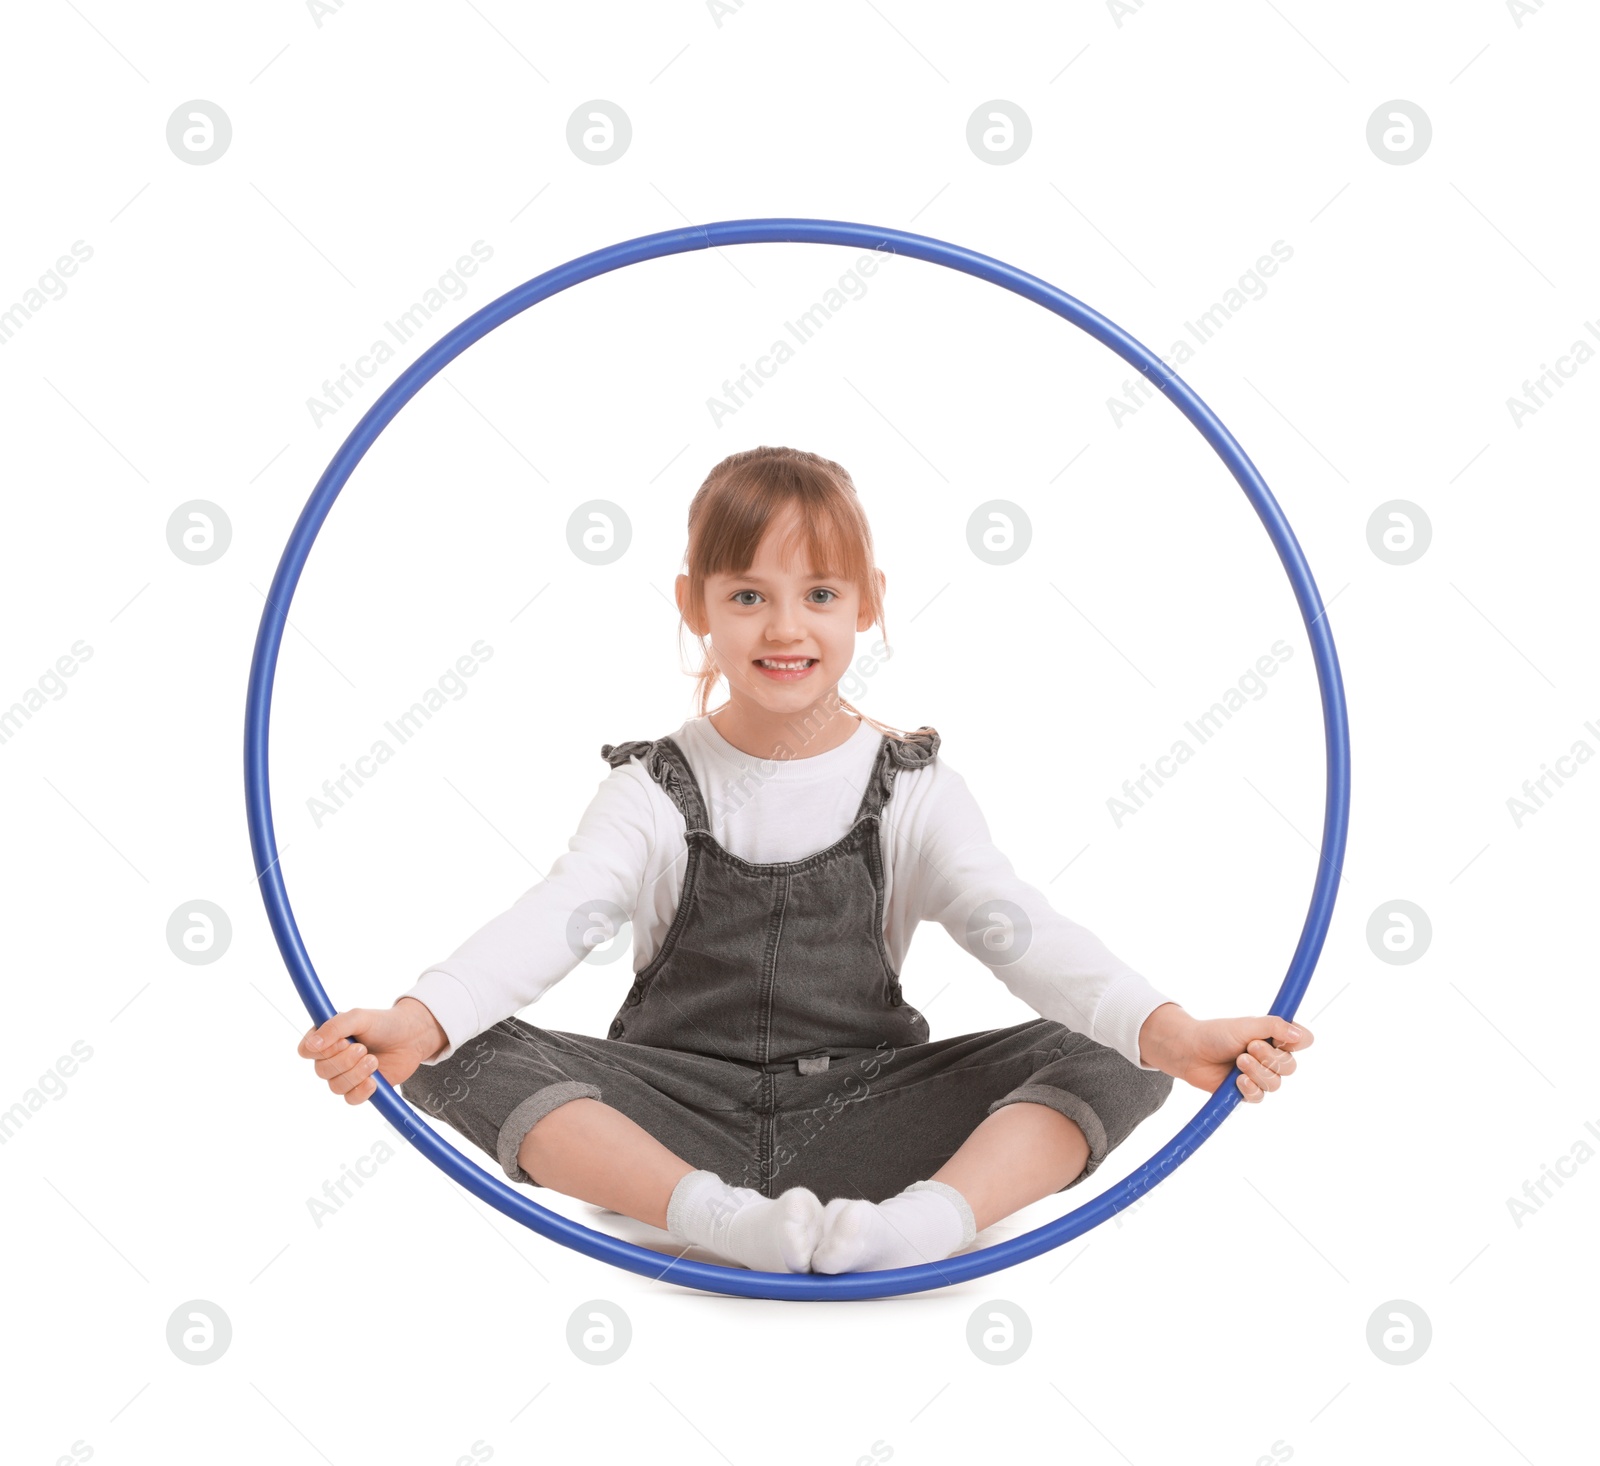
[[767, 1040]]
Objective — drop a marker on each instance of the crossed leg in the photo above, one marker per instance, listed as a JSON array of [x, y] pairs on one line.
[[584, 1148], [1020, 1154], [589, 1150]]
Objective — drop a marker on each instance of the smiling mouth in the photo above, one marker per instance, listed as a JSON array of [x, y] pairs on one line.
[[785, 669]]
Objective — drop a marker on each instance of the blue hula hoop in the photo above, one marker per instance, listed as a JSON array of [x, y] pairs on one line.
[[496, 1192]]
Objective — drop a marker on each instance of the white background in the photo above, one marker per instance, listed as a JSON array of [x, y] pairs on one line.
[[1225, 1318]]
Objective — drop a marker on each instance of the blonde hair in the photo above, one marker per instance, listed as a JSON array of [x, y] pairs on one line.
[[730, 513]]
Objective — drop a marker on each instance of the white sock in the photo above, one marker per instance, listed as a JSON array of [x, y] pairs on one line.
[[742, 1225], [927, 1221]]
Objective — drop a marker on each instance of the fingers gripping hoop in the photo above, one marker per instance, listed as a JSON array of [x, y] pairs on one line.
[[516, 1204]]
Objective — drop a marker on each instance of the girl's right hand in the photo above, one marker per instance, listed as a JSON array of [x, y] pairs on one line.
[[354, 1045]]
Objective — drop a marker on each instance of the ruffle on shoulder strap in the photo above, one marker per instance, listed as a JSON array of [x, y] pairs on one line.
[[915, 750], [664, 761], [617, 754]]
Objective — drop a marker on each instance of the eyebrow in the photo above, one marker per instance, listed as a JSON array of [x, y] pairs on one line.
[[804, 575]]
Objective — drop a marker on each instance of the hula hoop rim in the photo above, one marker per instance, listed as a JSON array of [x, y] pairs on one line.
[[497, 1192]]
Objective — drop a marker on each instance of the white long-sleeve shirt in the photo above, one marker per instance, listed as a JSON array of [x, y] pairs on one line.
[[938, 859]]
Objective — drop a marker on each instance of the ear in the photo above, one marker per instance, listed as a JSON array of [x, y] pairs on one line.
[[681, 590]]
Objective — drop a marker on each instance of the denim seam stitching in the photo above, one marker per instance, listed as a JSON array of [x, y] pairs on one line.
[[759, 869], [769, 968], [644, 980]]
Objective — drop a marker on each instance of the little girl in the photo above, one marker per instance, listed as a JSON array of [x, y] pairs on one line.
[[765, 1091]]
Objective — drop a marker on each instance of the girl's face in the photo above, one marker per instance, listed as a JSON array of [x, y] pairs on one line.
[[783, 634]]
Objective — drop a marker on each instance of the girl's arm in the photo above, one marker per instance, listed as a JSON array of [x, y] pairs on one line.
[[530, 947], [954, 875]]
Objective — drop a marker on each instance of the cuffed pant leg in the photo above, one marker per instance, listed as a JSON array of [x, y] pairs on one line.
[[1094, 1086], [499, 1085], [1079, 1111], [528, 1114]]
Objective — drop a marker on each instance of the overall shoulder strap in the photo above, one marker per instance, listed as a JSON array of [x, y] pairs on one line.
[[617, 754], [914, 751], [664, 761]]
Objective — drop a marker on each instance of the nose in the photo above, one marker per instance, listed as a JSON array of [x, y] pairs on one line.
[[783, 626]]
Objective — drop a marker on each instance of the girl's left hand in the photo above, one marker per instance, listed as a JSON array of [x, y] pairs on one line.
[[1204, 1051]]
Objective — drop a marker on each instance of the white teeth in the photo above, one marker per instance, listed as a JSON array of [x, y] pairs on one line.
[[787, 666]]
